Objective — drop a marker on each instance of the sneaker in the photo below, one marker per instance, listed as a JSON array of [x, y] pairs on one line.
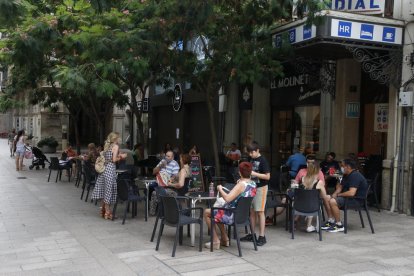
[[247, 238], [269, 221], [311, 229], [336, 228], [261, 241], [327, 225]]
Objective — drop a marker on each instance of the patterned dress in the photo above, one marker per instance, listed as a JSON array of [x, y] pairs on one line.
[[105, 187], [221, 216]]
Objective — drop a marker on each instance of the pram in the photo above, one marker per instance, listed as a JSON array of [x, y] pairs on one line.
[[39, 158]]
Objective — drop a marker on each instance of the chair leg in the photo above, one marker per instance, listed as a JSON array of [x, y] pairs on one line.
[[180, 236], [369, 220], [146, 209], [253, 235], [238, 239], [159, 234], [229, 233], [57, 175], [200, 248], [177, 233], [87, 192], [345, 219], [212, 225], [292, 224], [274, 216], [48, 178], [155, 229], [125, 212], [319, 224], [361, 218]]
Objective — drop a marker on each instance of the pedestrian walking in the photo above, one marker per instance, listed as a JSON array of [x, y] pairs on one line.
[[10, 141], [20, 149]]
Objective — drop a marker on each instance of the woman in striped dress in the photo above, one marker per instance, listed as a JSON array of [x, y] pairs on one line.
[[105, 187]]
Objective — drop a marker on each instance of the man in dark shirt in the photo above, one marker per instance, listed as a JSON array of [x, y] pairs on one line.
[[352, 184], [260, 175]]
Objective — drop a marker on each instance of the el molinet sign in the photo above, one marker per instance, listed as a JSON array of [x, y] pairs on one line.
[[295, 89]]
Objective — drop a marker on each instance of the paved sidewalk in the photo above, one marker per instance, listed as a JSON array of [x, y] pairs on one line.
[[45, 229]]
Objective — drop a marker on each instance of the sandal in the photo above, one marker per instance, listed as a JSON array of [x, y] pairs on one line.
[[225, 243], [103, 212], [216, 245], [108, 215]]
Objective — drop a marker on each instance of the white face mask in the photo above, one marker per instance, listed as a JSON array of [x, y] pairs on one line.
[[342, 170]]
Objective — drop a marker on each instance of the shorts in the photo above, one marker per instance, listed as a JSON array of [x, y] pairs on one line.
[[20, 152], [351, 202], [259, 201]]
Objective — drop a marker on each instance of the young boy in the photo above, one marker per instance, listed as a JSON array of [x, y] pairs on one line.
[[261, 175]]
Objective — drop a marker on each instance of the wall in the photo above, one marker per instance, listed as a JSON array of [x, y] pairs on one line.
[[345, 130], [261, 118]]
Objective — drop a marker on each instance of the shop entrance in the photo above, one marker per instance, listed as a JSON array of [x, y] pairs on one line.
[[294, 128]]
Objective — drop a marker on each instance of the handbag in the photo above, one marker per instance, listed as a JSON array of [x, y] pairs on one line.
[[28, 154], [100, 163]]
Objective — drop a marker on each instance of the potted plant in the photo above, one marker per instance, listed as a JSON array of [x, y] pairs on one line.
[[48, 144]]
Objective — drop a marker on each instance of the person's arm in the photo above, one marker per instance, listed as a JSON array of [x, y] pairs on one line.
[[338, 190], [264, 176], [158, 168], [181, 180], [351, 192], [234, 193], [321, 187], [116, 156]]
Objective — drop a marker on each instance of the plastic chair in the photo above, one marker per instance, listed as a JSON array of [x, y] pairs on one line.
[[130, 194], [241, 218], [54, 166], [306, 203], [89, 180], [79, 172], [358, 204], [274, 200], [160, 213], [373, 189], [176, 217]]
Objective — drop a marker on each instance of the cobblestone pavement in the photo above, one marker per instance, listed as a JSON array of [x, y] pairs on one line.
[[45, 229]]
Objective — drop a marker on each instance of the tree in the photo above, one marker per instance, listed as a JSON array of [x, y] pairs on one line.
[[229, 41]]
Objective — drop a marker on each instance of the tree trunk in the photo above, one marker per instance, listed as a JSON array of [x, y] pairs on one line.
[[213, 132]]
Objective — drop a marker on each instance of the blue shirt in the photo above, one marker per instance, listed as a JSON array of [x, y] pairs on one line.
[[294, 162], [172, 168]]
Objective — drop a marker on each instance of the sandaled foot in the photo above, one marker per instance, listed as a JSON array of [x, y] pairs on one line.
[[225, 243], [102, 212], [216, 245]]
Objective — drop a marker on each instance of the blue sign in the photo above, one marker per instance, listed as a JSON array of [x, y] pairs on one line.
[[344, 28], [388, 34], [292, 36], [367, 31], [307, 32], [278, 41]]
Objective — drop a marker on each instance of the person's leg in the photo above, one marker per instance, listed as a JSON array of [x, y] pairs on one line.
[[224, 237], [17, 162], [262, 221], [335, 209], [21, 161], [216, 240]]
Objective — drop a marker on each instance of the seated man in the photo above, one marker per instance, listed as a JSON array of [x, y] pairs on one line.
[[294, 162], [329, 167], [352, 184], [302, 172], [170, 167]]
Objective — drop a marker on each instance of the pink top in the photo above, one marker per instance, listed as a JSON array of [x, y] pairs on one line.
[[302, 173]]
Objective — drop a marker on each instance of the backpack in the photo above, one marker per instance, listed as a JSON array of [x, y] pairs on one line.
[[100, 163]]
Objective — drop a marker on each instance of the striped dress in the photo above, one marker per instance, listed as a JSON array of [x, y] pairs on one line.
[[105, 187]]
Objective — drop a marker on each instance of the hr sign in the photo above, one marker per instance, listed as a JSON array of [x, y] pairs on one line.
[[363, 31]]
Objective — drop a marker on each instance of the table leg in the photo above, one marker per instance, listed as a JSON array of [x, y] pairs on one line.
[[147, 209], [192, 226]]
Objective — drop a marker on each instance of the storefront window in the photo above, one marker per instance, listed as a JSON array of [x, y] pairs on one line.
[[306, 126]]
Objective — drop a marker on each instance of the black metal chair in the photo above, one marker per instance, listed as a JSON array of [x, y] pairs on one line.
[[306, 203], [358, 204], [373, 189], [89, 180], [176, 217], [160, 212], [275, 200], [129, 193], [241, 218], [79, 172], [54, 166]]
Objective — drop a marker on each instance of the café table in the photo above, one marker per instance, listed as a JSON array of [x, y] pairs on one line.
[[197, 197], [147, 181]]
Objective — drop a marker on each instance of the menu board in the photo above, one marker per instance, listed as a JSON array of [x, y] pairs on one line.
[[197, 183]]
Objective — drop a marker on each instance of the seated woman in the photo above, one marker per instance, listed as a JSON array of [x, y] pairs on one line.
[[311, 181], [65, 162], [245, 187], [92, 153], [176, 185]]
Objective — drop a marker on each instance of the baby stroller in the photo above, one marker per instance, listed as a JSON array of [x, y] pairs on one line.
[[39, 158]]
